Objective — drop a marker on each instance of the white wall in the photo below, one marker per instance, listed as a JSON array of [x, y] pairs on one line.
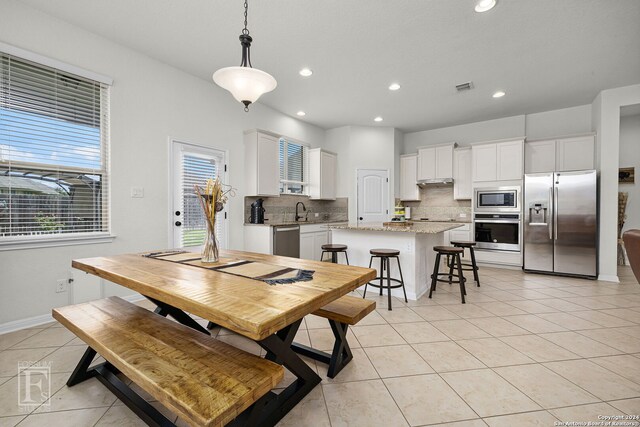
[[363, 147], [606, 124], [150, 102], [630, 157], [566, 121]]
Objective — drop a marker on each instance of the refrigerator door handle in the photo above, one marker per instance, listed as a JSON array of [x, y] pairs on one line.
[[555, 213], [551, 209]]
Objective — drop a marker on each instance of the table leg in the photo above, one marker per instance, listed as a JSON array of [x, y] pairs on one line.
[[165, 310], [275, 406]]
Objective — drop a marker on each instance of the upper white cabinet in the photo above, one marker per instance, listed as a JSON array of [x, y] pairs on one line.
[[409, 190], [435, 162], [510, 159], [462, 174], [484, 162], [426, 163], [540, 156], [323, 169], [574, 154], [262, 163], [560, 155], [499, 161]]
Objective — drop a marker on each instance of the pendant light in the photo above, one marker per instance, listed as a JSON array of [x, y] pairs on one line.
[[245, 83]]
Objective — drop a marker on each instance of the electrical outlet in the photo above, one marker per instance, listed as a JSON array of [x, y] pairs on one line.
[[316, 214], [61, 285], [137, 192]]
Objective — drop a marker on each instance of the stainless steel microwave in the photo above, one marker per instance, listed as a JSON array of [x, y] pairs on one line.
[[498, 199]]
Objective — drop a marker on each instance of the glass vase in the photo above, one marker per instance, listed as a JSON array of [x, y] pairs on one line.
[[210, 248]]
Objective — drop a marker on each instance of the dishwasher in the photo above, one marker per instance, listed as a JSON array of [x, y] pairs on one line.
[[286, 240]]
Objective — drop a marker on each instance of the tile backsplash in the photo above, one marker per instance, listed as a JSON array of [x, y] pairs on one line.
[[283, 209], [437, 202]]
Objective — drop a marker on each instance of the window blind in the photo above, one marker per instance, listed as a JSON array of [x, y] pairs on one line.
[[196, 169], [54, 152], [294, 159]]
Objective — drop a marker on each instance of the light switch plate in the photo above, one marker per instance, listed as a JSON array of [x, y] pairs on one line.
[[137, 192]]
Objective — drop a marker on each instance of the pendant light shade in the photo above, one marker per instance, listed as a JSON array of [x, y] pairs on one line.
[[245, 83]]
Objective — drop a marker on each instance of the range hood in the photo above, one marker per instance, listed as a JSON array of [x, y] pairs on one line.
[[423, 182]]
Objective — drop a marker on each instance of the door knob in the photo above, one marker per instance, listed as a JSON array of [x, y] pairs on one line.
[[360, 218], [177, 213], [178, 223]]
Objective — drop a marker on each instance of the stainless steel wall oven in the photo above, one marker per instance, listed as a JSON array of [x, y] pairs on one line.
[[498, 231]]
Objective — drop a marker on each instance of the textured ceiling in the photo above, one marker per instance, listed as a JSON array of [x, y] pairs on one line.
[[545, 54]]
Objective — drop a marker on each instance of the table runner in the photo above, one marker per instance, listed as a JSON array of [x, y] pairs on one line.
[[269, 273]]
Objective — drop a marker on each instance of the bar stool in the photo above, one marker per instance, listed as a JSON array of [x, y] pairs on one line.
[[473, 266], [334, 250], [435, 277], [385, 256]]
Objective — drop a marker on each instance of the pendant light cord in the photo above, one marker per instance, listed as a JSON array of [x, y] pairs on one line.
[[245, 31]]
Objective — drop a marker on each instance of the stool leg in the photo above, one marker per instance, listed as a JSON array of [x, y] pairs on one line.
[[461, 278], [434, 276], [322, 255], [365, 285], [334, 257], [381, 274], [451, 265], [346, 257], [476, 277], [402, 280], [388, 283]]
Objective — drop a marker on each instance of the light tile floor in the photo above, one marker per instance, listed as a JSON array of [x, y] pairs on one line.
[[525, 350]]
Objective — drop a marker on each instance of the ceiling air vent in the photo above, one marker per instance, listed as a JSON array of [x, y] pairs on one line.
[[464, 86]]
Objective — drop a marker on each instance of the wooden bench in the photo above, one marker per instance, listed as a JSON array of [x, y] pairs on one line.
[[341, 313], [203, 380]]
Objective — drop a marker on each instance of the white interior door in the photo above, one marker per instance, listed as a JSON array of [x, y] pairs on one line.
[[373, 195], [193, 165]]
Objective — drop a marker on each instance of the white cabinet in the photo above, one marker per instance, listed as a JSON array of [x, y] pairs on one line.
[[540, 156], [312, 237], [323, 169], [262, 163], [510, 159], [462, 233], [500, 161], [484, 162], [435, 162], [560, 155], [462, 174], [426, 163], [574, 154], [409, 190]]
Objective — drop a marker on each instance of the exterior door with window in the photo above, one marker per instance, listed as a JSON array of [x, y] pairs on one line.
[[373, 195], [193, 165]]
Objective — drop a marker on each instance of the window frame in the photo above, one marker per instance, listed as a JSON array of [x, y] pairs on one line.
[[284, 183], [72, 238]]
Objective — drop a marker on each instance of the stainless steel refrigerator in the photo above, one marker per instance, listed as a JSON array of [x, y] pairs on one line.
[[561, 223]]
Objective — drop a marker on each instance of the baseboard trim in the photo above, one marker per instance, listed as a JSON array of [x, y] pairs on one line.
[[609, 278], [31, 322]]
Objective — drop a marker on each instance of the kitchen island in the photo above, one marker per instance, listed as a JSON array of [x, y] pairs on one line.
[[415, 243]]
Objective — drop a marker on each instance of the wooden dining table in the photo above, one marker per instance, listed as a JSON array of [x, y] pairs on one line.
[[269, 314]]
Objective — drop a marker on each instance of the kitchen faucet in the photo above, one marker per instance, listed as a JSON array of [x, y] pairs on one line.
[[304, 208]]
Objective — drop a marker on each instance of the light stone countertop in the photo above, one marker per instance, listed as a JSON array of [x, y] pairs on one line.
[[418, 228], [319, 222]]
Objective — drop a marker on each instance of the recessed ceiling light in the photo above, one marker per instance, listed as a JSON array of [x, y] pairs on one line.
[[485, 5], [394, 86], [499, 94], [301, 113], [306, 72], [377, 119]]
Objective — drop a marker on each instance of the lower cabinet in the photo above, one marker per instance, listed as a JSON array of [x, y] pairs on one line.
[[312, 237]]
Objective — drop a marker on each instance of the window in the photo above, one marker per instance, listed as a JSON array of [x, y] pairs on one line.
[[294, 159], [54, 133]]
